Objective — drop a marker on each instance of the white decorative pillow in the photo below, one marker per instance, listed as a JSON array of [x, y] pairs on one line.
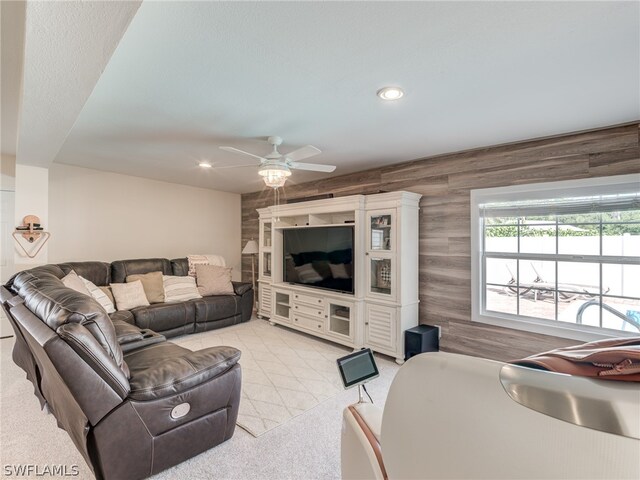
[[339, 270], [196, 260], [307, 274], [129, 295], [179, 289], [73, 281], [204, 260], [99, 295]]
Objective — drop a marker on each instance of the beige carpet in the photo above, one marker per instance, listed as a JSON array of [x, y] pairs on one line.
[[284, 373]]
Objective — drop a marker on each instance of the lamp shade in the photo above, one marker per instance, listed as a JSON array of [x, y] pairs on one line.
[[250, 248]]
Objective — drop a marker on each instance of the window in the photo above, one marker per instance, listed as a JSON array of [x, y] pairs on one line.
[[560, 258]]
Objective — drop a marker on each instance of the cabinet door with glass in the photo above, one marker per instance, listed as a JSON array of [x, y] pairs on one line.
[[381, 231], [380, 254], [281, 309], [265, 249], [340, 319]]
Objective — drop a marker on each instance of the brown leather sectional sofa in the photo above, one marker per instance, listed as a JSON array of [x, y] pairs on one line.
[[133, 403]]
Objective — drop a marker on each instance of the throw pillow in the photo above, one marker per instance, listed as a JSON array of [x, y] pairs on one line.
[[204, 260], [214, 280], [73, 281], [108, 293], [307, 274], [99, 295], [152, 284], [179, 289], [129, 295], [195, 260], [339, 270]]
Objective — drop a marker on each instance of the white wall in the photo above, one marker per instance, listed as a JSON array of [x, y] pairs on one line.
[[7, 217], [31, 198], [97, 215], [7, 214]]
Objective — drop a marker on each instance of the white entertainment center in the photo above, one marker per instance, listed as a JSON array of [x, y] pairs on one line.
[[384, 302]]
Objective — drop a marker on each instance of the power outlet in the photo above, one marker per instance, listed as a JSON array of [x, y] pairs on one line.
[[439, 331]]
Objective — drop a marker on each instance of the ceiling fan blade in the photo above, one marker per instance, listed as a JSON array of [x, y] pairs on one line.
[[302, 153], [236, 166], [312, 167], [242, 152]]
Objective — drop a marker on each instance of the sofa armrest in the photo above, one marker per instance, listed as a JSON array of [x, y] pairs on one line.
[[242, 287], [123, 316], [166, 369], [360, 450], [131, 337], [125, 332]]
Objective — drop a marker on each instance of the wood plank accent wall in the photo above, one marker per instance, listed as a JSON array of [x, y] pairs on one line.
[[445, 182]]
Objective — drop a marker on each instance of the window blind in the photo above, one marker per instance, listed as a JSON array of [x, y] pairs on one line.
[[562, 206]]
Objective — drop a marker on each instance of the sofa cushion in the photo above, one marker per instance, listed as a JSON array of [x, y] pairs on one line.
[[214, 280], [180, 266], [165, 316], [120, 269], [216, 307], [97, 272], [129, 295], [152, 284], [179, 288], [166, 369]]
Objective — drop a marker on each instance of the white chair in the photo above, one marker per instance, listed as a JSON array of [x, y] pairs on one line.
[[453, 416]]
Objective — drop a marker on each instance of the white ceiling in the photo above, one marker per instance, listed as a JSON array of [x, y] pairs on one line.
[[188, 77], [66, 47]]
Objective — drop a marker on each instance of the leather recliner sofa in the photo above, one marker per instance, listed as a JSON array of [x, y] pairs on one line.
[[169, 319], [133, 403]]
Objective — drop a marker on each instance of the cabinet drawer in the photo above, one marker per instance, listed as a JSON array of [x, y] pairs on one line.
[[308, 299], [311, 311], [308, 323]]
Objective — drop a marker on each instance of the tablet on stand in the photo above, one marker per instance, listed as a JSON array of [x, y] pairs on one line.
[[356, 369]]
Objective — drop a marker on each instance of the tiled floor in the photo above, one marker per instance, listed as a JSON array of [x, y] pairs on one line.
[[284, 373]]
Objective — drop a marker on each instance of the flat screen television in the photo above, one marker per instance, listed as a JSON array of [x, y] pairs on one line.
[[320, 257]]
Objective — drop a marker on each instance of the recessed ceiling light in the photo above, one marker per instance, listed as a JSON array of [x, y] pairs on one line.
[[390, 93], [204, 165]]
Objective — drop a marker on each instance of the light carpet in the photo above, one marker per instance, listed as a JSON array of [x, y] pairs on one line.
[[284, 374], [306, 447]]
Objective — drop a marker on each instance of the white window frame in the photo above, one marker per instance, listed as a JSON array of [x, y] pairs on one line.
[[535, 191]]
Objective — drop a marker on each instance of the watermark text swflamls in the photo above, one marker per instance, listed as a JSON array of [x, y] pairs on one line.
[[32, 469]]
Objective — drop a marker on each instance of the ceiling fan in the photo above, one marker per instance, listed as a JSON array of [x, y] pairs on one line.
[[276, 167]]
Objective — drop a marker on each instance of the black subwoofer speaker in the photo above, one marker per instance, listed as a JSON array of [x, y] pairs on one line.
[[420, 339]]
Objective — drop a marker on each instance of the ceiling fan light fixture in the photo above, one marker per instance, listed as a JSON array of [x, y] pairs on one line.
[[274, 175], [390, 93], [204, 165]]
